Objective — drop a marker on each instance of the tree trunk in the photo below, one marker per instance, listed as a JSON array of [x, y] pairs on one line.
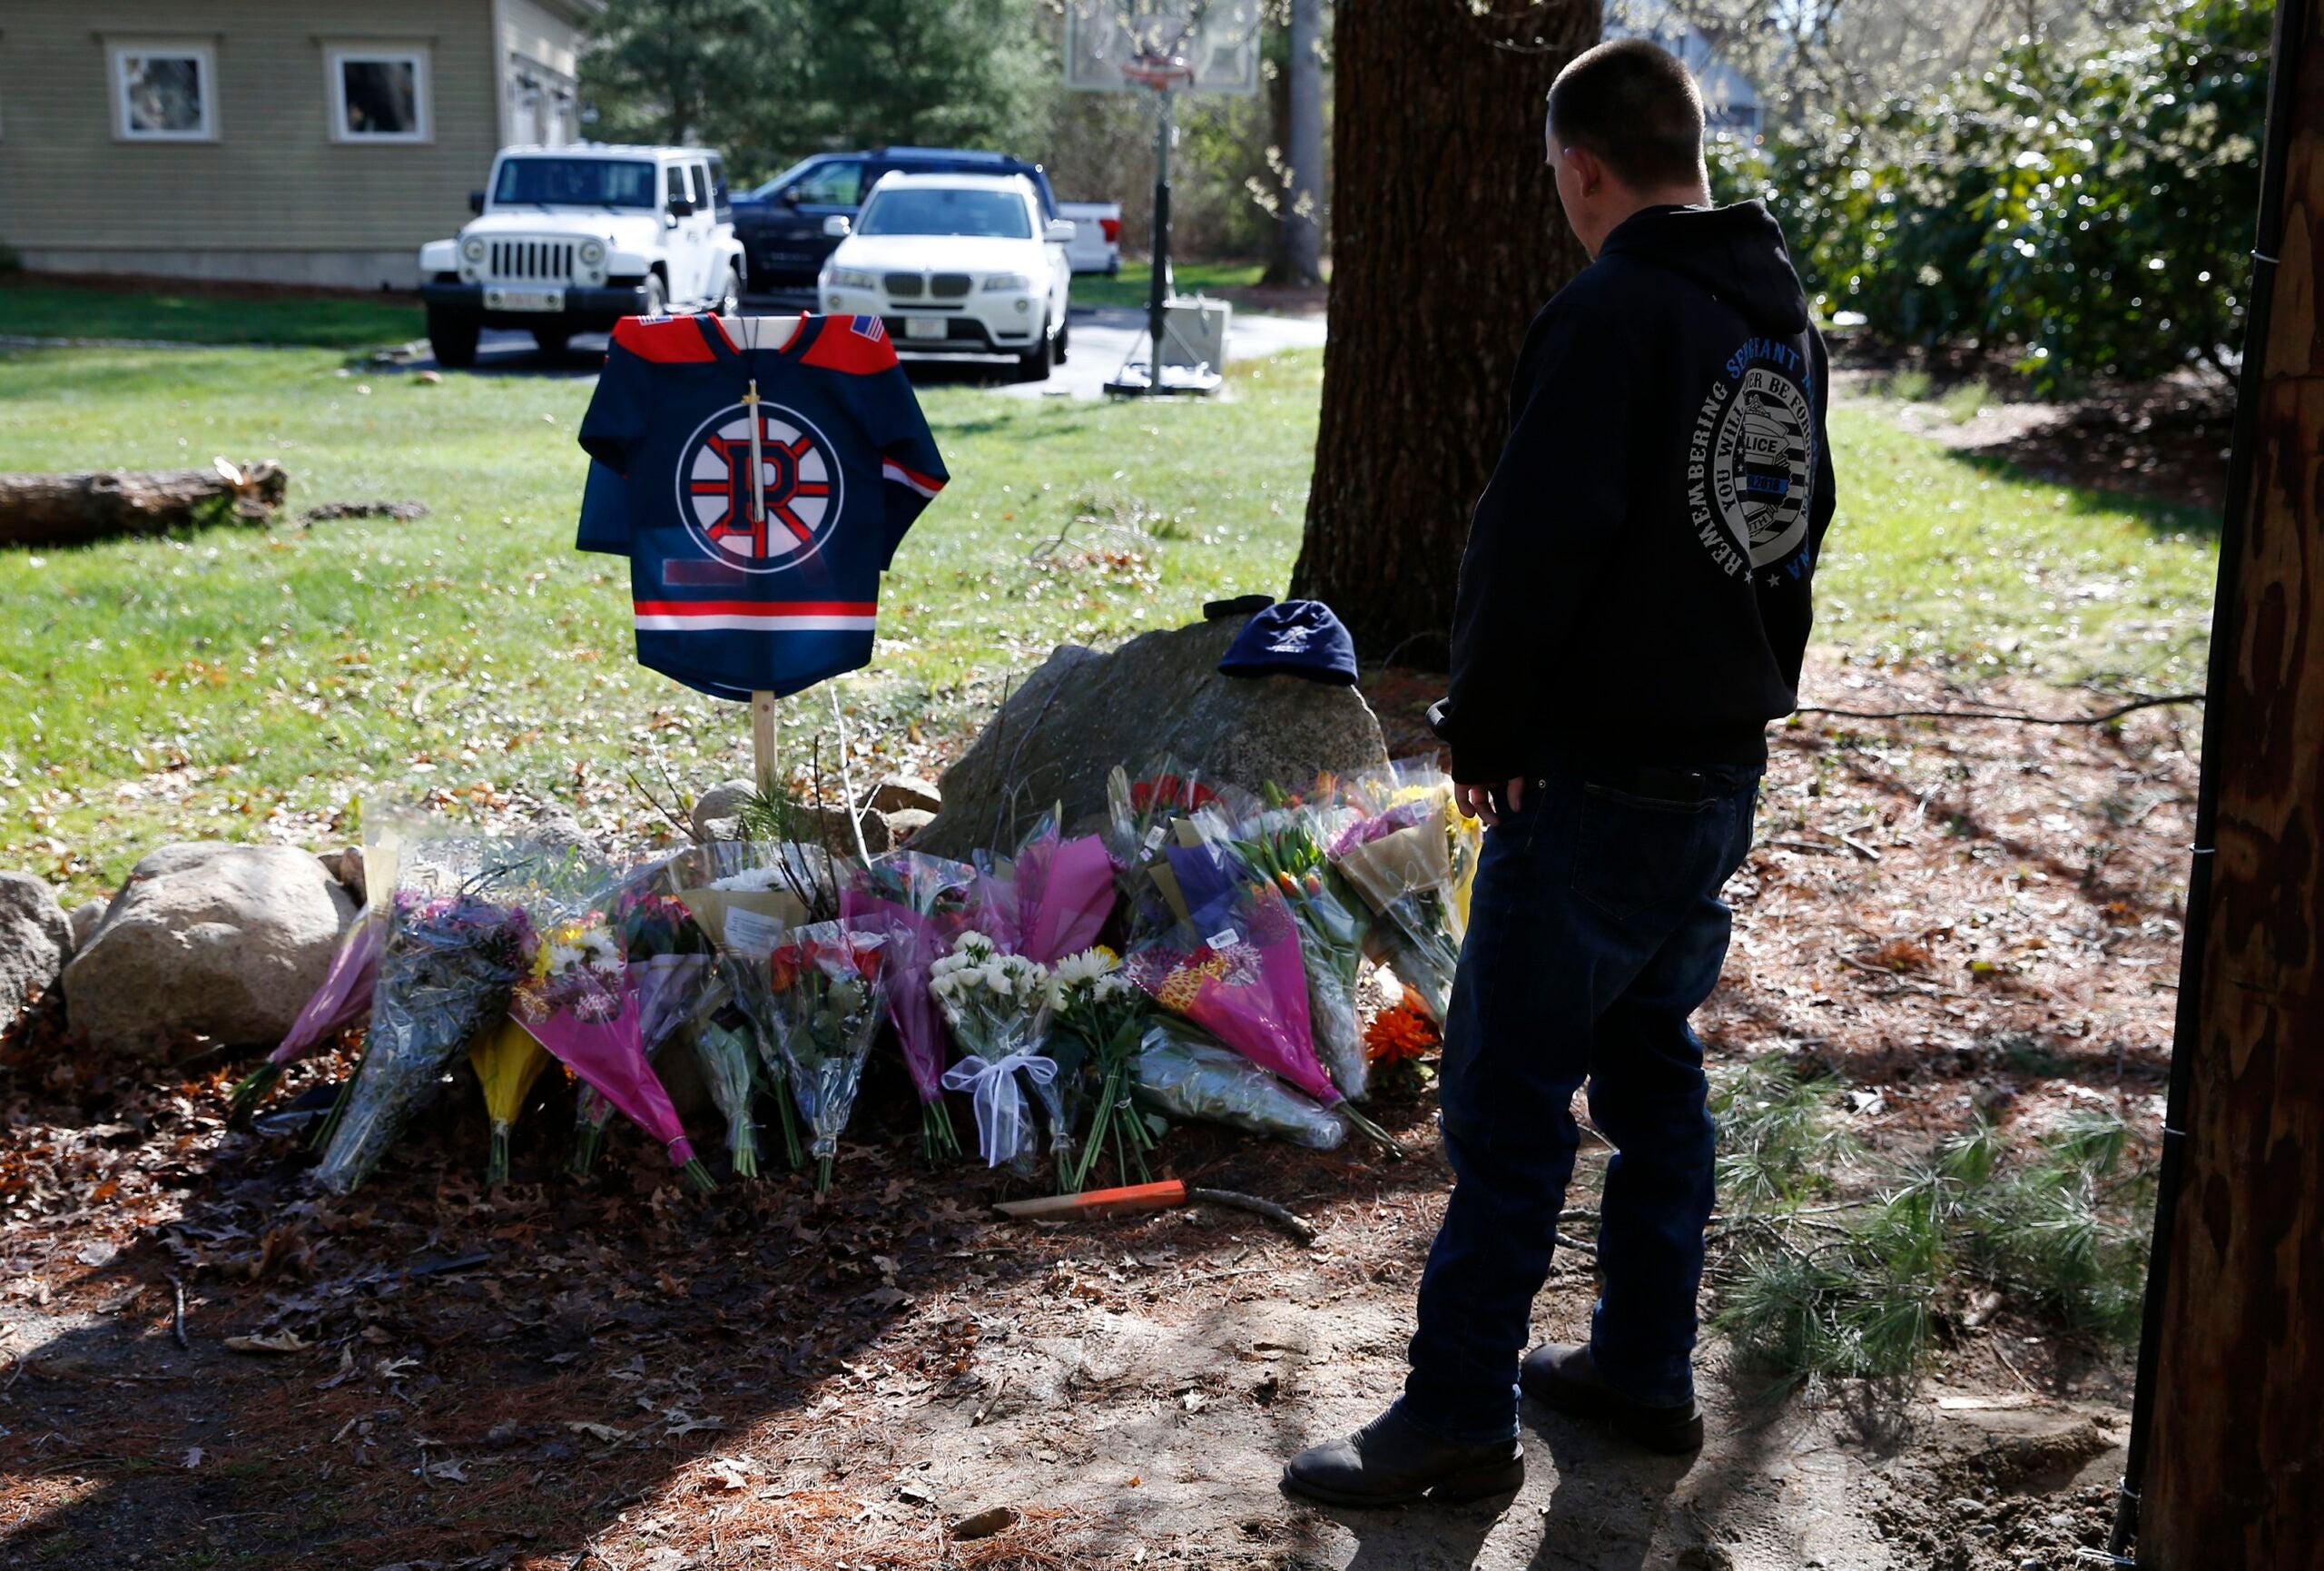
[[1446, 240], [1299, 229], [72, 510], [2237, 1384]]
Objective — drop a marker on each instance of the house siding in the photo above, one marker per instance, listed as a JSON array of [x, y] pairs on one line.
[[274, 195]]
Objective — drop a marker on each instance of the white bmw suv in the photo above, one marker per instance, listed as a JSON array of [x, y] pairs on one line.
[[956, 264]]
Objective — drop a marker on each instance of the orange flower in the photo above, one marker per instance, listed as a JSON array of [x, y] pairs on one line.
[[1399, 1033]]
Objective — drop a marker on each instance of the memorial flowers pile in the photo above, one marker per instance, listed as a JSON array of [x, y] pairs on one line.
[[1400, 853], [920, 905], [824, 991], [1096, 1015]]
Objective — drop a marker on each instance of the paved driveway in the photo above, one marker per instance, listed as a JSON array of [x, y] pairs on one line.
[[1101, 338]]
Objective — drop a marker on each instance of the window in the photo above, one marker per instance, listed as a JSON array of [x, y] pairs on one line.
[[723, 199], [837, 184], [574, 183], [948, 210], [699, 178], [379, 96], [165, 92]]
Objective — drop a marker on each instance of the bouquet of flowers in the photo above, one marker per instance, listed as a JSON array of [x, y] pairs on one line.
[[825, 990], [1400, 856], [1181, 1073], [446, 969], [919, 904], [727, 1045], [506, 1061], [745, 897], [669, 959], [1142, 822], [1285, 847], [578, 1001], [1096, 1016], [994, 1002]]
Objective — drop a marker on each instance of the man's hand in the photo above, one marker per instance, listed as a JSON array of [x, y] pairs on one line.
[[1476, 801]]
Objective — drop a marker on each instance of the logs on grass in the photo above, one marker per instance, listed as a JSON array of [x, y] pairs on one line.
[[73, 510]]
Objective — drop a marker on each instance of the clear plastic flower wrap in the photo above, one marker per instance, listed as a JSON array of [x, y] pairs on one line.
[[1399, 853], [824, 990], [921, 905], [457, 942], [1097, 1017], [726, 1047], [669, 959], [1181, 1073]]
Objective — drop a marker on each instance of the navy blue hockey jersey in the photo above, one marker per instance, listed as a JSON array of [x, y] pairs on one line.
[[737, 590]]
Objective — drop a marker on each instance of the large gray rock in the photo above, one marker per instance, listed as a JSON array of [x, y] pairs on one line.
[[718, 806], [1082, 712], [899, 793], [35, 941], [207, 939]]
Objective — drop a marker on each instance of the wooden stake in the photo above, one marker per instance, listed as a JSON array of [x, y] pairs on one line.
[[763, 743]]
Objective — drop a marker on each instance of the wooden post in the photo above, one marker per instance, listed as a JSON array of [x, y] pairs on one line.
[[763, 744], [2232, 1469]]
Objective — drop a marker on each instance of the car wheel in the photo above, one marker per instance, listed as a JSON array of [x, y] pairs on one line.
[[550, 340], [730, 298], [1033, 365], [452, 334], [1064, 336], [657, 297]]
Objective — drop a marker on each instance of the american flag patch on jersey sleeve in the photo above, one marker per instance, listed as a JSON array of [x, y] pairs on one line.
[[869, 327]]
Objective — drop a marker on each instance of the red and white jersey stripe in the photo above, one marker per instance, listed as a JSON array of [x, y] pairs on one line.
[[755, 616], [926, 485]]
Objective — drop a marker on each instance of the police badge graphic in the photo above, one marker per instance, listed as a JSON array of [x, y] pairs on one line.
[[1751, 462], [792, 511]]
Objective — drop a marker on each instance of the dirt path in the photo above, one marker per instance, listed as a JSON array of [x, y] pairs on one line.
[[620, 1376]]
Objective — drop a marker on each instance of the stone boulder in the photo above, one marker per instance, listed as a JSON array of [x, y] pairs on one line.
[[905, 823], [209, 939], [35, 941], [1082, 712], [899, 793]]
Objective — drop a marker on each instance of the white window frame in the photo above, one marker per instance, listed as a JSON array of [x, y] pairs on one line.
[[117, 57], [338, 56]]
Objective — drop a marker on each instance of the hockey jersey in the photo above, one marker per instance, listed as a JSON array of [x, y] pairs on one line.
[[739, 588]]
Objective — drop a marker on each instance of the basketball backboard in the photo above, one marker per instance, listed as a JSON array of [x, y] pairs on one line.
[[1215, 41]]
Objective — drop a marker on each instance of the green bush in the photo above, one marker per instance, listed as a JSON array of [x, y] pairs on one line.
[[2089, 214]]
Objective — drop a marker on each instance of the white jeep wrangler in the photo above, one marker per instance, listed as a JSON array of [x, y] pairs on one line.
[[570, 240]]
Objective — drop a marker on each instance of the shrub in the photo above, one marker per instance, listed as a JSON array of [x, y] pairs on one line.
[[2090, 214]]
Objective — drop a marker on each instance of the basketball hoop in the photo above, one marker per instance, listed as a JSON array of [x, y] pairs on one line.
[[1159, 72]]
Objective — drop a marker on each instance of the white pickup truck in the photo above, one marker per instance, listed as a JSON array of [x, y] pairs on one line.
[[1097, 235], [570, 240]]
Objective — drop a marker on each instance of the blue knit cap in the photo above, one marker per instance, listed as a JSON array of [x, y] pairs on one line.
[[1295, 638]]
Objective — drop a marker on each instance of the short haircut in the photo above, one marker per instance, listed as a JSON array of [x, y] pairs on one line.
[[1636, 106]]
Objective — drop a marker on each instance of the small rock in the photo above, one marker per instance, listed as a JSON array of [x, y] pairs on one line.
[[985, 1523], [222, 941], [431, 378], [913, 1495], [347, 866], [719, 828], [903, 822], [839, 833], [722, 801], [901, 791], [84, 918], [35, 942]]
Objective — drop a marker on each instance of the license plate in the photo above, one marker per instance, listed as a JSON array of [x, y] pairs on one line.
[[524, 300], [926, 327]]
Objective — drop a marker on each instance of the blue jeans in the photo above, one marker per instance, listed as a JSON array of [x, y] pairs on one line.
[[1594, 930]]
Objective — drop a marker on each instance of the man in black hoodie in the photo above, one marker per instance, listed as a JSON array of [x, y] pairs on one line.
[[1633, 608]]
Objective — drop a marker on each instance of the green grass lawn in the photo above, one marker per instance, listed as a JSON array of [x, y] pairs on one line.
[[37, 308], [240, 683], [1129, 286]]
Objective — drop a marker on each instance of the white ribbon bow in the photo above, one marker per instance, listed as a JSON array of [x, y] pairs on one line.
[[999, 1100]]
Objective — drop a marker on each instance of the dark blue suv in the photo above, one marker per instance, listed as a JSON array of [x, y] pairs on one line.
[[780, 224]]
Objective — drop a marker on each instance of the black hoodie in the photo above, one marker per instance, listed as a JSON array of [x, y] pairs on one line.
[[1636, 586]]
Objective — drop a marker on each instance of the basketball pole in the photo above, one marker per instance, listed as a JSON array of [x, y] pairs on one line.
[[1158, 292]]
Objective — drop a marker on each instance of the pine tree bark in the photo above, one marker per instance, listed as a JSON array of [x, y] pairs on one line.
[[2238, 1383], [1447, 239]]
